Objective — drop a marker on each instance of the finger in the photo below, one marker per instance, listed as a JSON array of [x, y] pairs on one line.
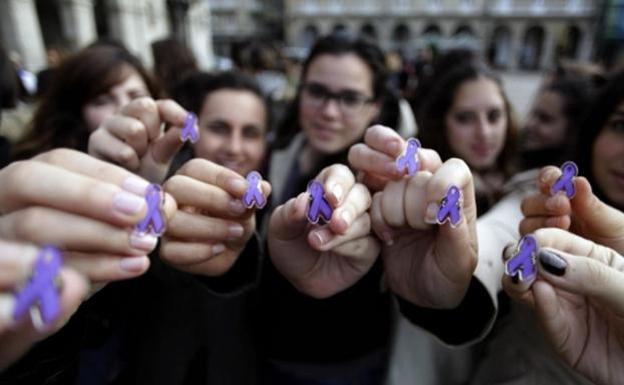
[[165, 147], [550, 313], [129, 130], [208, 198], [288, 221], [178, 253], [337, 180], [456, 247], [214, 174], [356, 203], [415, 200], [530, 225], [600, 217], [378, 224], [323, 239], [106, 268], [599, 276], [16, 261], [105, 146], [547, 177], [35, 183], [545, 205], [145, 110], [362, 252], [198, 228], [392, 203], [373, 182], [369, 160], [40, 225], [384, 140], [83, 164], [519, 290]]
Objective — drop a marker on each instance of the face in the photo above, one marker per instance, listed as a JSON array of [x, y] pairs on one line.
[[233, 130], [476, 124], [110, 102], [608, 157], [336, 103], [546, 127]]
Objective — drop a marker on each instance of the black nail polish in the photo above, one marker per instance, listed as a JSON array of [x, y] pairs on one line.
[[515, 278], [552, 263]]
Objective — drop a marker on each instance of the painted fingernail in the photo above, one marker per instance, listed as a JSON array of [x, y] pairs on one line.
[[135, 185], [218, 249], [235, 231], [552, 262], [134, 264], [128, 203], [431, 213], [237, 207], [146, 242], [515, 278]]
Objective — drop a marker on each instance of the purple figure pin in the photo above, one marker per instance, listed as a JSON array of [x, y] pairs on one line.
[[523, 262], [253, 196], [40, 294], [154, 220], [190, 131], [320, 211], [566, 181], [409, 159], [450, 207]]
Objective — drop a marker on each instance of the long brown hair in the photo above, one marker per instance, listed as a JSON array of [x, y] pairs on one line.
[[58, 120]]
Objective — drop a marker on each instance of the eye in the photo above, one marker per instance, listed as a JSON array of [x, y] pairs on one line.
[[219, 128], [351, 99], [102, 100], [464, 117], [617, 125], [252, 132], [316, 91], [494, 116], [138, 94]]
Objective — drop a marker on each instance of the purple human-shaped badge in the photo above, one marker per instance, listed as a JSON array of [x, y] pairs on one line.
[[320, 211], [41, 292], [566, 181], [154, 220], [190, 130], [523, 262], [450, 207], [253, 196], [408, 161]]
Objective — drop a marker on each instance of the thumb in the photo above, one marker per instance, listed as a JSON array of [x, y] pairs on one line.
[[167, 146], [288, 221], [598, 276], [595, 214]]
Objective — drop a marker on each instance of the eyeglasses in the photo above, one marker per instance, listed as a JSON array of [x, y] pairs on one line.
[[350, 102]]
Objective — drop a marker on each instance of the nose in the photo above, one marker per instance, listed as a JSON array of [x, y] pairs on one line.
[[330, 108], [235, 143], [485, 128]]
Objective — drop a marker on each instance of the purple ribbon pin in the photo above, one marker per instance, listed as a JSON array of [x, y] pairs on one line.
[[253, 195], [566, 181], [450, 207], [320, 210], [190, 131], [409, 159], [154, 220], [41, 290], [523, 263]]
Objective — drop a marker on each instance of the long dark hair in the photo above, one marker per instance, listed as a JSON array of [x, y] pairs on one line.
[[172, 61], [433, 113], [58, 121], [605, 103], [337, 44]]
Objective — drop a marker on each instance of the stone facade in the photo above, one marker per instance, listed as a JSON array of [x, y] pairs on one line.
[[28, 26], [525, 34]]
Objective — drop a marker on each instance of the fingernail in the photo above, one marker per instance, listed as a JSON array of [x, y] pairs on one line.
[[237, 207], [515, 278], [431, 213], [7, 310], [390, 168], [321, 240], [235, 231], [393, 147], [146, 242], [135, 185], [337, 191], [346, 216], [387, 237], [133, 264], [217, 249], [237, 184], [127, 203], [552, 262]]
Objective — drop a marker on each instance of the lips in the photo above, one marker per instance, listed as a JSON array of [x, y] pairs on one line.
[[481, 150]]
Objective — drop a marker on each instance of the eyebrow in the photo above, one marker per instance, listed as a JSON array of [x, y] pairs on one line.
[[340, 91]]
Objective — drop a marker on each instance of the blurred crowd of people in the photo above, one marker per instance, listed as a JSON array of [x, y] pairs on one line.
[[233, 295]]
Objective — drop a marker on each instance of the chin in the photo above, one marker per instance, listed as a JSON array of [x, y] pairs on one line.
[[325, 147]]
